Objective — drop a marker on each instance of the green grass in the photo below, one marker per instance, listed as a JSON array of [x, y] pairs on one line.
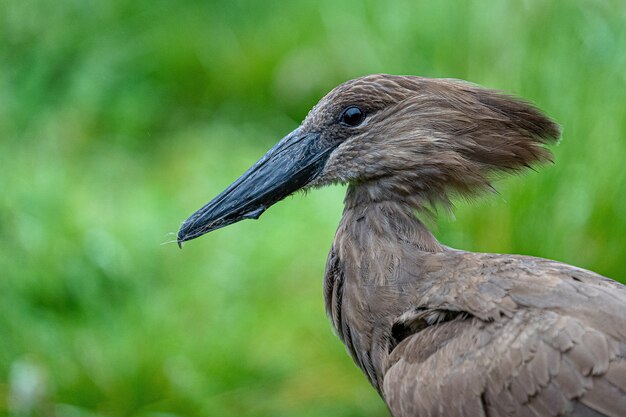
[[119, 119]]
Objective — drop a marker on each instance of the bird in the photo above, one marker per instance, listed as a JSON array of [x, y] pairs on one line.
[[439, 331]]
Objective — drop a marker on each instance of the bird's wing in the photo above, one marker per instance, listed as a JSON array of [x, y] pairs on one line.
[[511, 336]]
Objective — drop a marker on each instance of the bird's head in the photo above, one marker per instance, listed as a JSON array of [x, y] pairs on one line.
[[394, 137]]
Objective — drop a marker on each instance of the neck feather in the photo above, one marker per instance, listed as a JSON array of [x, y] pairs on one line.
[[389, 216]]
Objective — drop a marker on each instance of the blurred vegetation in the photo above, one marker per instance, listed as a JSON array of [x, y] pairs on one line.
[[119, 118]]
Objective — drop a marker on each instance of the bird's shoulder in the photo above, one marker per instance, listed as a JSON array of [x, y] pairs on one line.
[[493, 286]]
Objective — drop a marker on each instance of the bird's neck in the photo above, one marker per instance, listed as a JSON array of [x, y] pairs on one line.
[[391, 217], [378, 240]]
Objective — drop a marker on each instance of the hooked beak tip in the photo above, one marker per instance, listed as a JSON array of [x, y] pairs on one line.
[[183, 235], [186, 233]]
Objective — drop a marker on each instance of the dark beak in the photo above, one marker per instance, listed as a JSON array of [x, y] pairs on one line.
[[290, 165]]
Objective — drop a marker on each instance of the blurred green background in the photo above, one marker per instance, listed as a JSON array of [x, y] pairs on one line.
[[118, 119]]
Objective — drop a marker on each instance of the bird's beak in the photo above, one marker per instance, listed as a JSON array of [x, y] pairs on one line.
[[290, 165]]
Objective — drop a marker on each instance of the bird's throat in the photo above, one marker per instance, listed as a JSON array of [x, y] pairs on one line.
[[391, 218]]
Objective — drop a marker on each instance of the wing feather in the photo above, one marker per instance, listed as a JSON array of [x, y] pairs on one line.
[[535, 363]]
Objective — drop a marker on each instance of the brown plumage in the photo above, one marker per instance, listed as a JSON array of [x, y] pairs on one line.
[[439, 331]]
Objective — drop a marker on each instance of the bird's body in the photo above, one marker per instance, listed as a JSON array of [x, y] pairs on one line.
[[469, 334], [438, 331]]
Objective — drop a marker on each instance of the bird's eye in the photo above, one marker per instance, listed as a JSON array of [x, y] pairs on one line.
[[352, 116]]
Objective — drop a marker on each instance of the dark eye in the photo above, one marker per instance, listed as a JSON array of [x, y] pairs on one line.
[[352, 116]]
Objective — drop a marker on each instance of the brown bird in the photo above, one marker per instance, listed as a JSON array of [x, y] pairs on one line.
[[439, 331]]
